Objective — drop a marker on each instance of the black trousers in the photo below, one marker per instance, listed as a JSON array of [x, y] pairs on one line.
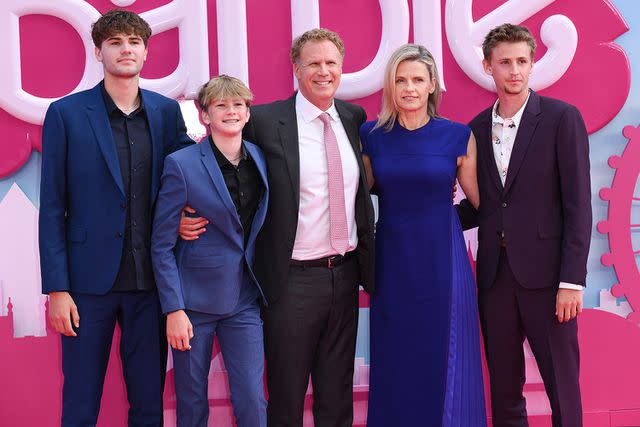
[[508, 314], [311, 330]]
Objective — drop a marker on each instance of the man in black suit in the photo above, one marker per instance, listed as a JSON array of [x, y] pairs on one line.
[[316, 244], [535, 229]]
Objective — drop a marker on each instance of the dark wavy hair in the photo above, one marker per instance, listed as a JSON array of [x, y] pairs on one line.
[[118, 21]]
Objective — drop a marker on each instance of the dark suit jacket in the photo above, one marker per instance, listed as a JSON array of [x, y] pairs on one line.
[[274, 128], [205, 274], [82, 200], [544, 208]]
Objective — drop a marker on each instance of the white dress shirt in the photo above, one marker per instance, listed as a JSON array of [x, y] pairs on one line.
[[503, 136], [312, 234]]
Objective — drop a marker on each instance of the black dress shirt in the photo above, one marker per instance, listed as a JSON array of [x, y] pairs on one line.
[[132, 140], [244, 185]]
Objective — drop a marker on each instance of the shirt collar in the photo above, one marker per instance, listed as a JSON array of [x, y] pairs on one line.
[[310, 112], [517, 117], [111, 106], [220, 158]]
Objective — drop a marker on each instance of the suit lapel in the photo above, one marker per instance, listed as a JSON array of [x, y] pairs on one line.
[[485, 139], [353, 133], [350, 127], [211, 164], [261, 212], [288, 131], [155, 129], [523, 138], [99, 122]]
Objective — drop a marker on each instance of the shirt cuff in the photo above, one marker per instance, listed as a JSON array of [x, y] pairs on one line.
[[565, 285]]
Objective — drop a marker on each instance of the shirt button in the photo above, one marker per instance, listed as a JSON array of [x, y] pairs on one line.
[[135, 223], [131, 141], [242, 193], [134, 197], [123, 206], [119, 234], [504, 204]]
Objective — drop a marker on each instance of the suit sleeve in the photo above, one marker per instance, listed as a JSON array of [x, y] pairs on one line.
[[467, 214], [248, 132], [572, 145], [361, 116], [171, 200], [53, 194], [181, 138]]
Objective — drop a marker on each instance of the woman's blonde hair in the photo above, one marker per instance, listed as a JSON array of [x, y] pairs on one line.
[[408, 52]]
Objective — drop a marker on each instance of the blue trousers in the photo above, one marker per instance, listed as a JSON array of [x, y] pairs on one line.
[[143, 349], [241, 342]]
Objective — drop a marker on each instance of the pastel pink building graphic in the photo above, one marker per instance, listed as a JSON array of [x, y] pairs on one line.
[[19, 265]]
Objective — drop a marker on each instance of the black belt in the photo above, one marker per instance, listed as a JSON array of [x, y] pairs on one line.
[[327, 262]]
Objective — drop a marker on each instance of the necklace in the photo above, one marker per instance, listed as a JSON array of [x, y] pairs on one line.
[[133, 108]]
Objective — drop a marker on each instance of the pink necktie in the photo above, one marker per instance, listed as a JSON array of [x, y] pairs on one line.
[[337, 213]]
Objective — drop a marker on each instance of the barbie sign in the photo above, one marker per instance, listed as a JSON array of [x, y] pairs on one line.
[[246, 44]]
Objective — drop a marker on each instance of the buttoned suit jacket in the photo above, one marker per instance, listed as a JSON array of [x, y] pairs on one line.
[[274, 128], [82, 201], [544, 207]]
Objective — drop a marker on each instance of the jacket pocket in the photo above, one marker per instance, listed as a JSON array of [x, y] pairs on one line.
[[202, 261]]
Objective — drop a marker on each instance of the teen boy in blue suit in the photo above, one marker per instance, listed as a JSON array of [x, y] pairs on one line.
[[207, 286], [102, 157]]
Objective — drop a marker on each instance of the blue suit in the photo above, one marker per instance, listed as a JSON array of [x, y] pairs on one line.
[[212, 279], [81, 226]]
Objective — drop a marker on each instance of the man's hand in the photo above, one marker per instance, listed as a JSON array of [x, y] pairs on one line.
[[568, 304], [63, 311], [179, 330], [191, 228]]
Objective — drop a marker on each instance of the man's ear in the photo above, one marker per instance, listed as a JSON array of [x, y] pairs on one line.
[[98, 53], [487, 67], [296, 70], [204, 116]]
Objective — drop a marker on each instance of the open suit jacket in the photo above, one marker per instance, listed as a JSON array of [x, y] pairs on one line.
[[544, 207], [82, 200], [205, 274], [274, 127]]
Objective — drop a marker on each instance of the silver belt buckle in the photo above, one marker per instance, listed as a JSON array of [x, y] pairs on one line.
[[330, 261]]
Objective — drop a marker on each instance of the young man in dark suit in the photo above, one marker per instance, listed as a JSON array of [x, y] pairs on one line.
[[534, 232], [102, 156]]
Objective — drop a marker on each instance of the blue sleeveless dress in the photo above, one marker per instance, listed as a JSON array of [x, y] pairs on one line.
[[424, 334]]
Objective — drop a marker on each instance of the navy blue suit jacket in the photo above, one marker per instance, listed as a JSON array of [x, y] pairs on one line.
[[82, 200], [205, 274], [544, 207]]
